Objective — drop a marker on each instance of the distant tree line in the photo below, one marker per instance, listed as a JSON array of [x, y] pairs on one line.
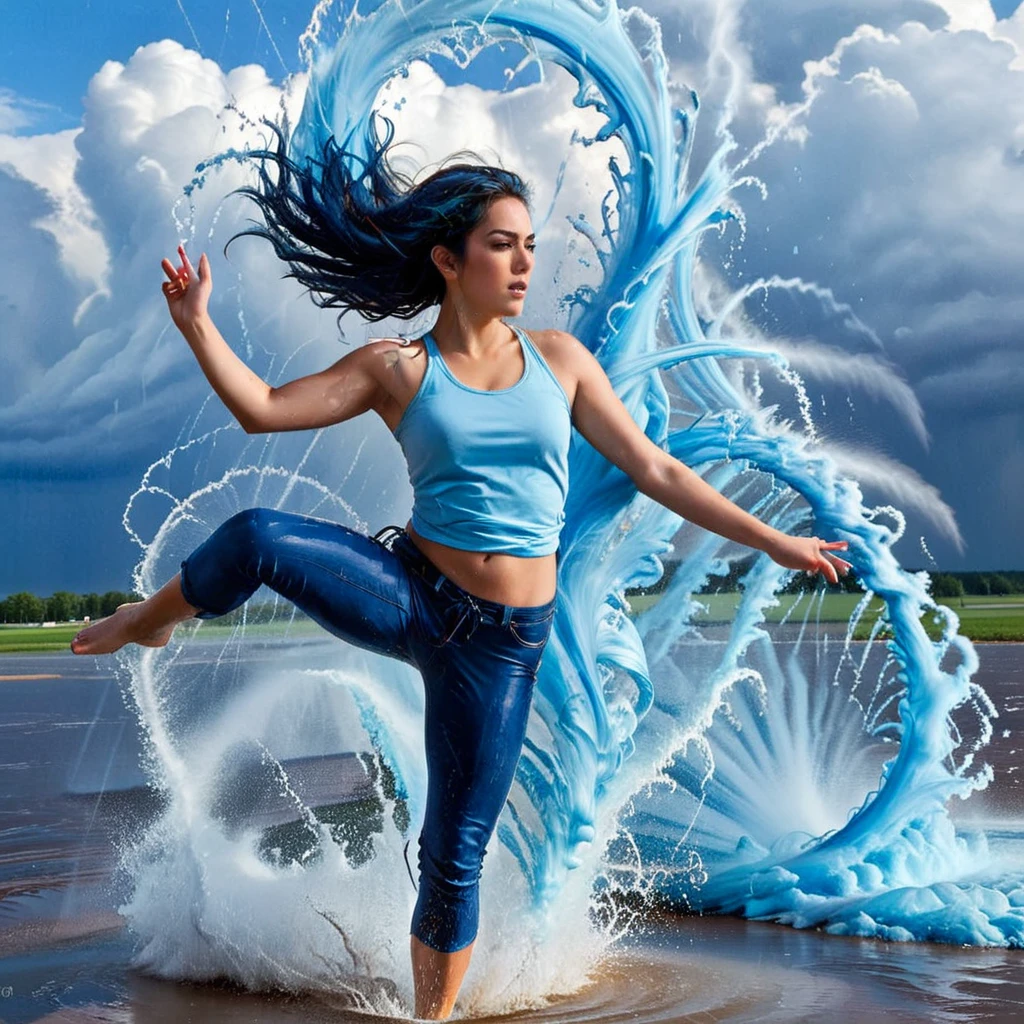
[[944, 584], [956, 584], [64, 606]]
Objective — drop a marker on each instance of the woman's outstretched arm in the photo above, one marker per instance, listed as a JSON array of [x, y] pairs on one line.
[[342, 391], [605, 422]]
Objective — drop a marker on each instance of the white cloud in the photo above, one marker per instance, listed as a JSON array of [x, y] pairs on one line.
[[910, 190], [17, 112], [894, 184], [36, 300], [108, 196], [969, 14], [897, 184], [895, 189], [990, 386], [101, 365], [901, 485], [48, 162]]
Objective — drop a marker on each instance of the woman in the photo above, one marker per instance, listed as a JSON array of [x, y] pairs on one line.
[[483, 412]]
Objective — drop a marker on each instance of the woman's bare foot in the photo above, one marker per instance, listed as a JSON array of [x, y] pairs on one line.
[[113, 632], [150, 622]]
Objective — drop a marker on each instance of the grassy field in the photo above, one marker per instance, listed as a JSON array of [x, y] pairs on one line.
[[981, 619], [39, 639]]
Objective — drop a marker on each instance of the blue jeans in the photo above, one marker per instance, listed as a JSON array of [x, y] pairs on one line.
[[478, 659]]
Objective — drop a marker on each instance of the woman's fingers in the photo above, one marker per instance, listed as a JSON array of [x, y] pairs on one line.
[[836, 567], [189, 272], [824, 566], [179, 277], [829, 565], [833, 561], [812, 555]]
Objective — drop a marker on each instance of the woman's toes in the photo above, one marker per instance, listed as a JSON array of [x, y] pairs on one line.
[[113, 632]]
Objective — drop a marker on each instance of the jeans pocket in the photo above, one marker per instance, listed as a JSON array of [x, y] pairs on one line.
[[531, 634]]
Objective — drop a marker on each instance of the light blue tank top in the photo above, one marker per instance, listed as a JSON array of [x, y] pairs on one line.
[[489, 469]]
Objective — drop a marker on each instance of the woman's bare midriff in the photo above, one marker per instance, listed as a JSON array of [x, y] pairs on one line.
[[493, 576]]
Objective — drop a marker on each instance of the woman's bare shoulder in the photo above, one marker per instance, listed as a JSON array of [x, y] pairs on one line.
[[557, 347], [552, 341], [396, 354], [559, 351], [398, 364]]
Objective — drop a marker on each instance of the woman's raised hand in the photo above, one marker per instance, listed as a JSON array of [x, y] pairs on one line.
[[188, 291], [810, 554]]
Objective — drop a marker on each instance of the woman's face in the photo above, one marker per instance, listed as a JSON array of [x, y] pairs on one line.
[[498, 256]]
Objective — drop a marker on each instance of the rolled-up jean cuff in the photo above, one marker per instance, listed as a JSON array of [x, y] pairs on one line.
[[186, 592]]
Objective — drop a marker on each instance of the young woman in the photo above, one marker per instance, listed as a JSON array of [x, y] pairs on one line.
[[483, 412]]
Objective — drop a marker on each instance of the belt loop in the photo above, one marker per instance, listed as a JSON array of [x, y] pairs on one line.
[[506, 616], [440, 579], [387, 536]]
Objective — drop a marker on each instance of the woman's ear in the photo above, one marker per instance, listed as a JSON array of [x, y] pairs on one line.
[[444, 260]]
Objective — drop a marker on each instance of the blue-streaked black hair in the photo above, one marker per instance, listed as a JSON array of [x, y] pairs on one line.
[[362, 241]]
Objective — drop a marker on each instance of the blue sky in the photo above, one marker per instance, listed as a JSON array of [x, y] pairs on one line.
[[50, 51], [914, 142]]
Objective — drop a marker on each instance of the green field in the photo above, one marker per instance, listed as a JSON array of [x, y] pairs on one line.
[[981, 619], [39, 639]]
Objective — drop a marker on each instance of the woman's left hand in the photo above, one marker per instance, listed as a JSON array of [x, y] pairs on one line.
[[810, 554]]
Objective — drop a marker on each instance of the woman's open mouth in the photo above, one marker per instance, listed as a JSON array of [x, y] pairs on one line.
[[518, 290]]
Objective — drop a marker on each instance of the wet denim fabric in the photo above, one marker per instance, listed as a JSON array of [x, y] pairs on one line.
[[478, 659]]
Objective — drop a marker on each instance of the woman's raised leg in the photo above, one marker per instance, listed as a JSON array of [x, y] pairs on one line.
[[360, 591], [353, 586]]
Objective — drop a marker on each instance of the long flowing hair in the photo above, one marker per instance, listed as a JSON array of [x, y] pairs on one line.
[[358, 233]]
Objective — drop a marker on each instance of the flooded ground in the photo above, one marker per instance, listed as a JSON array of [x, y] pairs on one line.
[[71, 787]]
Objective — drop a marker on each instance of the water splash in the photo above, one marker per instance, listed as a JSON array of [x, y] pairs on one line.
[[660, 759]]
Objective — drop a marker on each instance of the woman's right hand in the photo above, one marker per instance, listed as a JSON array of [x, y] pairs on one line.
[[187, 292]]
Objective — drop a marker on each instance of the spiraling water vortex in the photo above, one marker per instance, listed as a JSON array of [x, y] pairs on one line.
[[717, 773]]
